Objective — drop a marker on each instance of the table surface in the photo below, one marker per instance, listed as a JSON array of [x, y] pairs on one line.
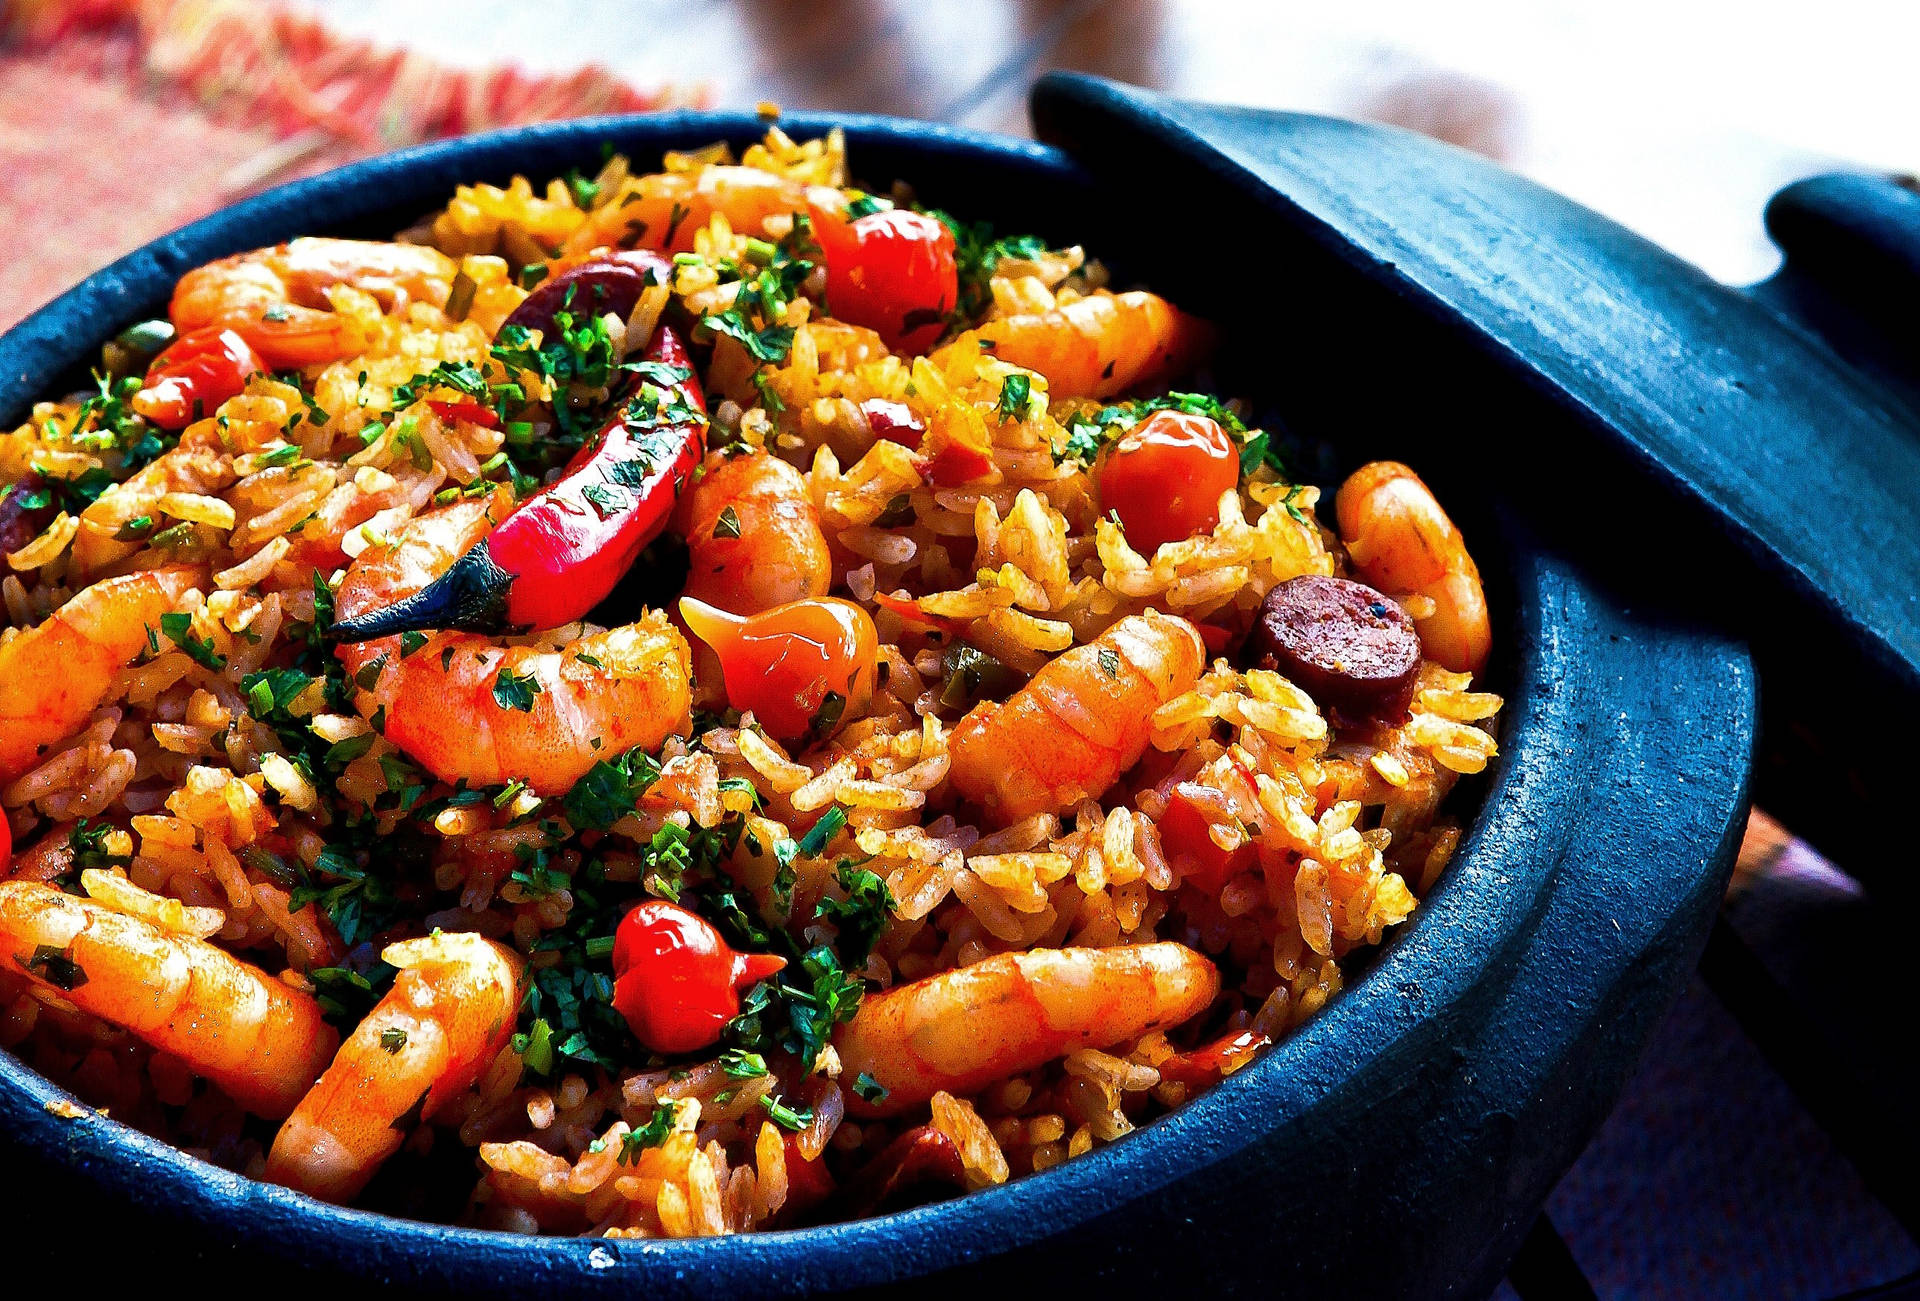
[[1732, 1166]]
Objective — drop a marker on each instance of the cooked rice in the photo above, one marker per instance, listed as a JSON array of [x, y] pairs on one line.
[[218, 827]]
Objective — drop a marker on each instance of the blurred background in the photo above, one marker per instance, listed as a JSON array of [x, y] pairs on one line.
[[1730, 1169]]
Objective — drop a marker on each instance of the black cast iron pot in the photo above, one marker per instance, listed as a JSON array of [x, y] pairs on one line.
[[1400, 1144]]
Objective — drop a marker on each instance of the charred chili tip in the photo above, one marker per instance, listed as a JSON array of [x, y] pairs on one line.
[[471, 597]]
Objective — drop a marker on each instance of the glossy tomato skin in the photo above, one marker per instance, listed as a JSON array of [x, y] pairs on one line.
[[892, 271], [194, 375], [804, 669], [6, 843], [1164, 477], [1191, 809], [675, 980]]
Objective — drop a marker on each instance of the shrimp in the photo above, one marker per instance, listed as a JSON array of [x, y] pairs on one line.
[[961, 1030], [753, 536], [55, 674], [259, 1039], [423, 1045], [469, 707], [276, 298], [103, 539], [1079, 724], [1401, 541], [1097, 346], [664, 210]]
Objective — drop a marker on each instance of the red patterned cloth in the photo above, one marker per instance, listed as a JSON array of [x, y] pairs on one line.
[[122, 119]]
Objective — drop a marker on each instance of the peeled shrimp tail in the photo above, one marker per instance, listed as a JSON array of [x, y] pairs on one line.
[[1079, 724], [1097, 346], [55, 674], [961, 1030], [1402, 542], [260, 1040], [447, 1016], [753, 536], [471, 708]]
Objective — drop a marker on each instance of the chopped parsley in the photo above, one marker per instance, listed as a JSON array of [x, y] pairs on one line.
[[827, 717], [861, 916], [179, 630], [651, 1134], [393, 1039], [784, 1115], [609, 790], [1016, 397], [88, 841], [56, 966], [821, 833], [514, 691]]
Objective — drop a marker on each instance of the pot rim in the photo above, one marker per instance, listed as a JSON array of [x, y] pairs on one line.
[[1491, 893]]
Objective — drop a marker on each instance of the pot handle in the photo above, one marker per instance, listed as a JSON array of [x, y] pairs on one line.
[[1852, 271]]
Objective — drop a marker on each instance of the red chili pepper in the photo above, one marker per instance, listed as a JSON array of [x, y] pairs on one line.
[[194, 375], [566, 546], [676, 981], [465, 410]]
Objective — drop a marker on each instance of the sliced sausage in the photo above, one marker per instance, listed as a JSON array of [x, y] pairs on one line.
[[1347, 645], [25, 509]]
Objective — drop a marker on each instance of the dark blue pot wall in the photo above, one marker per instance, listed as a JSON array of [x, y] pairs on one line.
[[1397, 1146]]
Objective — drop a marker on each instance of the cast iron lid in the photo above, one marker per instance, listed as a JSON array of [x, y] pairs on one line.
[[1753, 457], [1418, 1122]]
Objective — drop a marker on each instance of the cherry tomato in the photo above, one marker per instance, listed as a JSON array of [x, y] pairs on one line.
[[892, 271], [676, 981], [194, 375], [803, 668], [1191, 809], [1164, 477]]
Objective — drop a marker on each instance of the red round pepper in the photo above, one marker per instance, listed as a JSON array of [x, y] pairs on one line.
[[194, 375], [560, 553], [892, 271], [809, 1182], [676, 981], [465, 410]]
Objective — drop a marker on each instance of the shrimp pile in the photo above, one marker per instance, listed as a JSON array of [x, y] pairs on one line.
[[717, 697]]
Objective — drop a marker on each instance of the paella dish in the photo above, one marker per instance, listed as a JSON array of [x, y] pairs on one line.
[[693, 701]]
